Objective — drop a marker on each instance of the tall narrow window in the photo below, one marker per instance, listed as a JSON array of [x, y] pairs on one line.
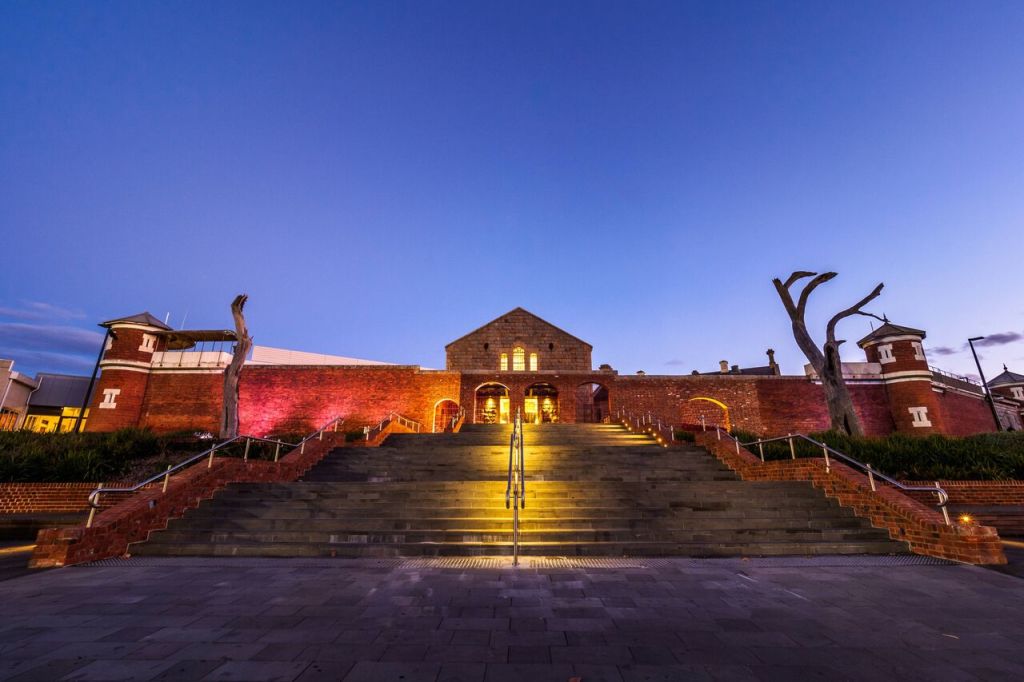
[[518, 359], [504, 362], [533, 362]]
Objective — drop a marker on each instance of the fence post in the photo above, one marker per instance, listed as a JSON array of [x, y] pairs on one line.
[[167, 477], [792, 449]]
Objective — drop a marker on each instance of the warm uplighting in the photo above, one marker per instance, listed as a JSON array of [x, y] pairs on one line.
[[966, 519]]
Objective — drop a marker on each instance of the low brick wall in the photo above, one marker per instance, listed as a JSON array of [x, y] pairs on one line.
[[920, 526], [978, 493], [45, 498], [133, 518]]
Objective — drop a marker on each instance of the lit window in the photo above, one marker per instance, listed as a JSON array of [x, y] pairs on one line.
[[885, 355], [504, 362], [110, 398], [533, 362], [518, 359], [919, 415], [1018, 392]]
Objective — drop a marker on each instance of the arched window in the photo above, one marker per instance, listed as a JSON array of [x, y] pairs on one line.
[[518, 359], [504, 362], [533, 362]]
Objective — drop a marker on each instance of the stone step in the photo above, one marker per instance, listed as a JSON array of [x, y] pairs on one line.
[[700, 549]]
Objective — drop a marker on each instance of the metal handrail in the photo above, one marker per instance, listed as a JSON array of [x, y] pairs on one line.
[[663, 433], [515, 491], [827, 450], [373, 432], [458, 416], [94, 496]]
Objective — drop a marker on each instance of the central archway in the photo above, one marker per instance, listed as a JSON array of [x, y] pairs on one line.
[[541, 404], [592, 405], [491, 404]]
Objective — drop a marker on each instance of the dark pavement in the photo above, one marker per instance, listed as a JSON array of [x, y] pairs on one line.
[[829, 618]]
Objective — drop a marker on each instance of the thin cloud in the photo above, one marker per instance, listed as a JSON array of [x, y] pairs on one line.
[[46, 361], [54, 338], [38, 310], [675, 362], [999, 339], [944, 350]]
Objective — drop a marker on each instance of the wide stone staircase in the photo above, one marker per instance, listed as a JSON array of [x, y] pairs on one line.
[[591, 489]]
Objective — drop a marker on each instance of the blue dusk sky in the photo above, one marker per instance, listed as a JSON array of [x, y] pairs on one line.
[[382, 177]]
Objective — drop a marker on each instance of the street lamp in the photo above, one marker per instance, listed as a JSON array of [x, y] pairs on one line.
[[988, 393]]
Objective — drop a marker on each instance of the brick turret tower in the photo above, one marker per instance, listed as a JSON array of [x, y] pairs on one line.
[[1009, 385], [907, 377], [126, 366]]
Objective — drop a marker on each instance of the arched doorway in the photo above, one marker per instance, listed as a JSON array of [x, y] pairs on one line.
[[444, 412], [541, 404], [592, 406], [490, 404], [702, 411]]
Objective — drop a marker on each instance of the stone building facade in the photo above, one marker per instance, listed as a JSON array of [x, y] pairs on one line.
[[152, 377]]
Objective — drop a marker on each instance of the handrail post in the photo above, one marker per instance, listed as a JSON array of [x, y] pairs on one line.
[[760, 448], [93, 506], [277, 451], [248, 442], [167, 478], [703, 424], [792, 449], [335, 425], [718, 431], [209, 463], [737, 441], [321, 434], [302, 446], [945, 512], [871, 477], [828, 465]]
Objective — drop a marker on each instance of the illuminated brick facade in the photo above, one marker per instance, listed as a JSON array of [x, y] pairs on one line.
[[897, 391]]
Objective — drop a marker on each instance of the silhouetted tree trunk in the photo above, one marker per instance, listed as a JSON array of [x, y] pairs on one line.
[[229, 415], [825, 360]]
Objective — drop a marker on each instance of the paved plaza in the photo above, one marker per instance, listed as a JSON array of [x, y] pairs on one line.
[[669, 619]]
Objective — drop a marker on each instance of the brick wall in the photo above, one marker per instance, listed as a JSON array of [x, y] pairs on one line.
[[184, 401], [45, 498], [292, 399], [556, 349], [980, 493], [906, 519], [963, 415]]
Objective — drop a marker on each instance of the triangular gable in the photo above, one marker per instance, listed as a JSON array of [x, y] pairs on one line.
[[519, 310]]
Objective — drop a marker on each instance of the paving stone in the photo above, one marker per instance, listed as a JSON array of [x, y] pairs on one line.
[[367, 671], [257, 671], [108, 671]]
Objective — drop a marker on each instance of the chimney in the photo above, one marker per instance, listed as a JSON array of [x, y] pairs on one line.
[[723, 366], [735, 369], [771, 362]]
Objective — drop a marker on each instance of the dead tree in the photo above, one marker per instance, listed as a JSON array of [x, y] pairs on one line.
[[243, 342], [825, 360]]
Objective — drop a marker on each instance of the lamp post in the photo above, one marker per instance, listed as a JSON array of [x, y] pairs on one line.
[[988, 393]]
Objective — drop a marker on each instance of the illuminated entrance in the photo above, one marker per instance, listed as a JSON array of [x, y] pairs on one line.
[[541, 404], [592, 405], [491, 405]]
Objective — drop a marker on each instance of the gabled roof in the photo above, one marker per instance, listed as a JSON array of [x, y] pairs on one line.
[[59, 390], [139, 318], [1007, 378], [519, 310], [890, 329]]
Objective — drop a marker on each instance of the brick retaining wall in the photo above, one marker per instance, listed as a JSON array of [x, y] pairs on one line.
[[45, 498], [920, 526]]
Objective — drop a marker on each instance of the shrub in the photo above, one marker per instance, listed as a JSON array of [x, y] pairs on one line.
[[987, 456], [687, 436]]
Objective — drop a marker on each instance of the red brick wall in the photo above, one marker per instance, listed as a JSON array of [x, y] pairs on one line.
[[281, 399], [517, 383], [981, 493], [128, 411], [963, 415], [180, 401], [45, 498]]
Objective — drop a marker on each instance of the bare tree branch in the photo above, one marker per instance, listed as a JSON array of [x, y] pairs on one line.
[[798, 275], [811, 286], [855, 309]]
